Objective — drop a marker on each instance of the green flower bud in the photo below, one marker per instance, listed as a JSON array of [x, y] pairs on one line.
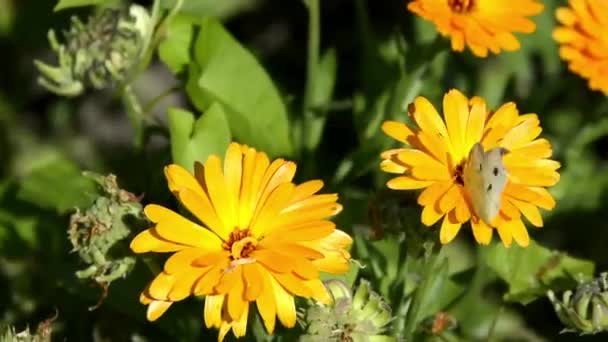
[[97, 54], [585, 311], [97, 233], [362, 317]]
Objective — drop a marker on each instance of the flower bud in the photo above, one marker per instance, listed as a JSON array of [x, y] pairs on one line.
[[362, 317], [585, 311], [97, 54]]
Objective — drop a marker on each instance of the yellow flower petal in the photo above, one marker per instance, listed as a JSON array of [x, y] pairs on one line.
[[185, 281], [149, 240], [307, 231], [266, 303], [320, 293], [213, 310], [305, 269], [505, 233], [392, 167], [161, 285], [477, 117], [279, 172], [253, 281], [529, 210], [430, 215], [448, 201], [181, 260], [519, 232], [273, 260], [305, 190], [156, 309], [292, 284], [426, 117], [236, 300], [218, 193], [179, 178], [430, 173], [448, 230], [206, 283], [229, 279], [285, 305], [521, 134], [233, 173], [175, 228], [239, 327], [481, 231], [274, 204], [201, 207], [407, 183], [432, 193], [397, 131], [456, 112], [411, 157], [532, 176]]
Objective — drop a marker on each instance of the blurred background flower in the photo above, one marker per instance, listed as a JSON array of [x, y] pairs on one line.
[[481, 25], [582, 32]]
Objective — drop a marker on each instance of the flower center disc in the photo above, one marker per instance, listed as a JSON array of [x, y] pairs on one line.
[[461, 6], [240, 244]]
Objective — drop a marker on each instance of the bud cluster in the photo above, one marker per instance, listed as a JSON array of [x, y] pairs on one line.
[[358, 317], [586, 310], [98, 53]]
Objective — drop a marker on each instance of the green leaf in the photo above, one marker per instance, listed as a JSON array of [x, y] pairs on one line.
[[195, 140], [57, 184], [214, 8], [174, 49], [63, 4], [225, 72], [325, 79], [531, 271]]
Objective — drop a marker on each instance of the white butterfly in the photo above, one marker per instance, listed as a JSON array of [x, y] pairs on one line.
[[485, 178]]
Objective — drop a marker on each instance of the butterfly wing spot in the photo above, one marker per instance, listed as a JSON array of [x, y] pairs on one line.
[[485, 178]]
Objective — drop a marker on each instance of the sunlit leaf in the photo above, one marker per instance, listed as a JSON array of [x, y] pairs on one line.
[[63, 4], [220, 9], [57, 184], [225, 72], [530, 271], [195, 139], [174, 50]]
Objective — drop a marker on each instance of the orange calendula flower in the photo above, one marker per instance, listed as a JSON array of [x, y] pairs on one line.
[[482, 25], [583, 39], [436, 160], [262, 239]]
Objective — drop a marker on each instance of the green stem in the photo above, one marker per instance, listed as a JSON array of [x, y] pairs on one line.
[[413, 318], [135, 114], [312, 127], [152, 103], [494, 323]]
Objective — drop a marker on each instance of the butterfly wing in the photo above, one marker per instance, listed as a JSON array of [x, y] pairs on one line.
[[485, 178]]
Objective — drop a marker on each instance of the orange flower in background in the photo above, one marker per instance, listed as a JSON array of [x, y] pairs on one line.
[[481, 25], [583, 39], [263, 239], [435, 160]]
